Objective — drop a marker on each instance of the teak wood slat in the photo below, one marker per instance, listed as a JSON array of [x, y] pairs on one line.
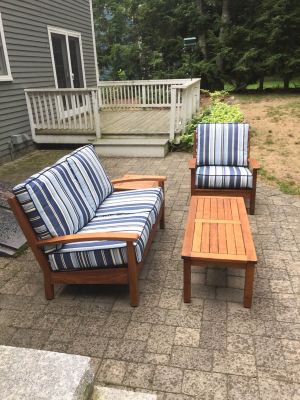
[[218, 231]]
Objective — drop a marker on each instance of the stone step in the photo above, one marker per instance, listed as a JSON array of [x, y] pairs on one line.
[[106, 393], [132, 147], [29, 374]]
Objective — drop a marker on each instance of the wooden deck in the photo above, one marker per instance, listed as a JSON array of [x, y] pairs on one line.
[[133, 122]]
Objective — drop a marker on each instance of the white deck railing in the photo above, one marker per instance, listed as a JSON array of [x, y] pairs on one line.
[[67, 111], [63, 111], [181, 96]]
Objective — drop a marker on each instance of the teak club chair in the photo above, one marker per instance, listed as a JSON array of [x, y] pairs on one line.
[[81, 230], [221, 163]]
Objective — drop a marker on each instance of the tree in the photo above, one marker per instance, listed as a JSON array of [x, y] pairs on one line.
[[239, 42]]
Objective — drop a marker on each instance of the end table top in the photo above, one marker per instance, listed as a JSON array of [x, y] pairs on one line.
[[218, 230]]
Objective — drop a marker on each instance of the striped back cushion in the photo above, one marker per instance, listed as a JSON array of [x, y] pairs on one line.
[[222, 144], [90, 174], [54, 202]]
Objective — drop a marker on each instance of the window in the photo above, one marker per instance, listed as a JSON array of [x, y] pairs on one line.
[[67, 59], [5, 74]]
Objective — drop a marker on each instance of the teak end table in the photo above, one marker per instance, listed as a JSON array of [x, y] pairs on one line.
[[218, 232]]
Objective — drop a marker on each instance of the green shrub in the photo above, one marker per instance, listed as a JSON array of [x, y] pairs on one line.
[[218, 111], [223, 112], [219, 95]]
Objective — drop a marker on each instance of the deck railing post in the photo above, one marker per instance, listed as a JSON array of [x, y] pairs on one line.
[[96, 113], [144, 95], [30, 114], [173, 113]]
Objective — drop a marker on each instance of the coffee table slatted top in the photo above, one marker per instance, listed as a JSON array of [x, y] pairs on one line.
[[218, 229]]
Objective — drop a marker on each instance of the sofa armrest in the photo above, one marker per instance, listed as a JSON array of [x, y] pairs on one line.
[[88, 237], [192, 163], [139, 178], [253, 164]]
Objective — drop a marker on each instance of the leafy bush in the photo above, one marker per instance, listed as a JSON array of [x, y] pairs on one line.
[[218, 111], [219, 95], [223, 112]]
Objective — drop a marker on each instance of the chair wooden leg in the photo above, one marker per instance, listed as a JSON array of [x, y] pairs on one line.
[[132, 275], [252, 202]]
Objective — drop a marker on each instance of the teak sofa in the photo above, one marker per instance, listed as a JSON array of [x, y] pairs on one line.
[[80, 229], [221, 163]]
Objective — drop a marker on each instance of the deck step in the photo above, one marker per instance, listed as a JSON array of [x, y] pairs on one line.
[[136, 134], [107, 393], [129, 146], [29, 374]]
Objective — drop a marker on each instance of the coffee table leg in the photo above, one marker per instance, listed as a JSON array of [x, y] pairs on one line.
[[248, 290], [187, 281]]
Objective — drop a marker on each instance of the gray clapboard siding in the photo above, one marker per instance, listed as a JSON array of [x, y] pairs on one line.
[[25, 28]]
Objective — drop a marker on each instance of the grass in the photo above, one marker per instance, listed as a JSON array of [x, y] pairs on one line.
[[269, 83], [288, 187]]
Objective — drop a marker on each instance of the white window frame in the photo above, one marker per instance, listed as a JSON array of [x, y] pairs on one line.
[[8, 76], [66, 33]]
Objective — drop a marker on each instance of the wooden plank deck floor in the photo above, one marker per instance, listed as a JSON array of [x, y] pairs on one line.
[[135, 121]]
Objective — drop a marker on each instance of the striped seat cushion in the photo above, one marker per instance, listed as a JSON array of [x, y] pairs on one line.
[[90, 174], [132, 202], [223, 177], [222, 144], [112, 217], [54, 202], [85, 255]]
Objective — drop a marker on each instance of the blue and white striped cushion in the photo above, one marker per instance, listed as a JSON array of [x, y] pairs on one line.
[[223, 177], [132, 202], [54, 202], [222, 144], [90, 174], [97, 254], [111, 216]]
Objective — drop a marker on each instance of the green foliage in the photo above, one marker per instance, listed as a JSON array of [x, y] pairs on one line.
[[122, 75], [219, 95], [223, 112], [250, 41], [288, 187], [218, 111]]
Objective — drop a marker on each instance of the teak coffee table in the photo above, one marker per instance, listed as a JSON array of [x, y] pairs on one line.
[[218, 232]]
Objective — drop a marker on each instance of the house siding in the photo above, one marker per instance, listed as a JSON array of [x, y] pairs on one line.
[[25, 29]]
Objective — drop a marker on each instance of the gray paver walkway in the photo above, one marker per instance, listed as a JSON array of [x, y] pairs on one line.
[[212, 348]]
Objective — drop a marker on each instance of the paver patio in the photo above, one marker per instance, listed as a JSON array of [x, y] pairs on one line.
[[213, 348]]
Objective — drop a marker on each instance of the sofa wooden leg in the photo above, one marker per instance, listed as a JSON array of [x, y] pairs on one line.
[[132, 275], [49, 289], [162, 219]]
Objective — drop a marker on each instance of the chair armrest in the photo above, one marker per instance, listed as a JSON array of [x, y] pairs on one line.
[[192, 163], [89, 237], [139, 178], [253, 164]]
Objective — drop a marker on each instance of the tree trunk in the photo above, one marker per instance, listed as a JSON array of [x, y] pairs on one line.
[[202, 36], [286, 82], [225, 18], [261, 83]]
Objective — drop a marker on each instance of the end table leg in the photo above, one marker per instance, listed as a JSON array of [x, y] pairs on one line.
[[187, 281], [248, 290]]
